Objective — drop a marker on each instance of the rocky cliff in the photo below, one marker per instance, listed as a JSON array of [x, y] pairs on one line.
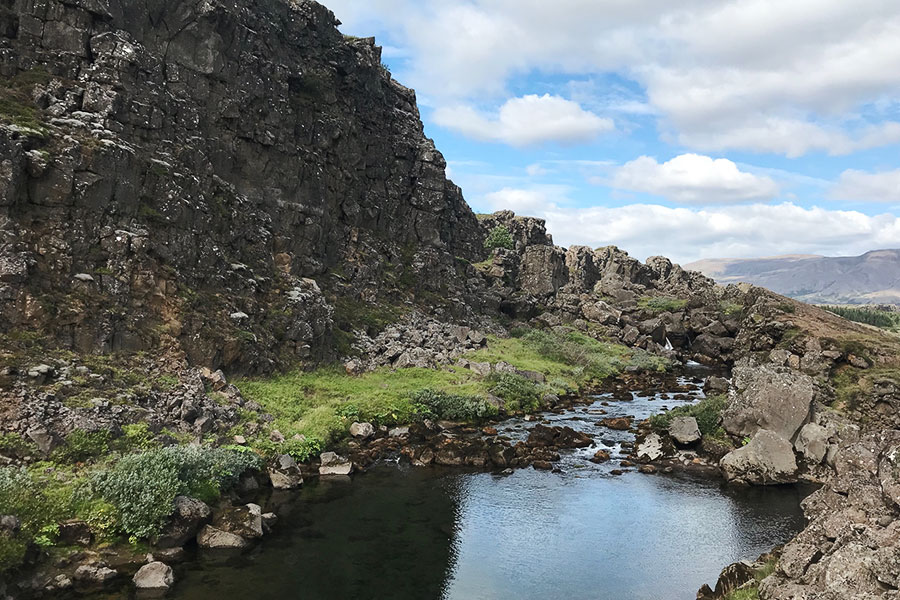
[[181, 173]]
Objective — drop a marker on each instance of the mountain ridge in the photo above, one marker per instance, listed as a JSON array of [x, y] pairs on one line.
[[870, 278]]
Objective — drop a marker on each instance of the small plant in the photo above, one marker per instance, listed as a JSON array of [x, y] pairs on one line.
[[661, 304], [81, 446], [499, 237]]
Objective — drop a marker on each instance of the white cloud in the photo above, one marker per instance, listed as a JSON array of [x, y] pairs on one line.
[[525, 121], [759, 75], [529, 201], [686, 235], [873, 187], [694, 179]]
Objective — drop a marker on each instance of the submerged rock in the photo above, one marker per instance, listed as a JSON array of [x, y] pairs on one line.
[[617, 423], [245, 521]]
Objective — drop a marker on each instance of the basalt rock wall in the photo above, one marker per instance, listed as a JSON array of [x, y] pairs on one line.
[[182, 173]]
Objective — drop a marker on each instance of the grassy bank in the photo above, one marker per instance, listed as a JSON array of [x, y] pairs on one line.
[[320, 405]]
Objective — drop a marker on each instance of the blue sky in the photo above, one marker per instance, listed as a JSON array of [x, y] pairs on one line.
[[691, 129]]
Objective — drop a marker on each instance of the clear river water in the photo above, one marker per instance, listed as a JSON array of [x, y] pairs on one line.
[[400, 532]]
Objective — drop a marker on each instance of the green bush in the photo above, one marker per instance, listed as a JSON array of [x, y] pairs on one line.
[[499, 237], [599, 360], [517, 392], [708, 413], [81, 446], [143, 486], [453, 407]]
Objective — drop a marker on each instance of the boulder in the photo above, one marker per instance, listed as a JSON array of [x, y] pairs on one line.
[[650, 448], [559, 437], [768, 397], [617, 423], [285, 474], [190, 514], [245, 521], [334, 464], [734, 576], [94, 574], [210, 537], [362, 430], [154, 576], [684, 430], [716, 385], [75, 532], [812, 442], [767, 459]]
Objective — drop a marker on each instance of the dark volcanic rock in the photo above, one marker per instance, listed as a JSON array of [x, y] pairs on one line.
[[558, 437], [162, 212]]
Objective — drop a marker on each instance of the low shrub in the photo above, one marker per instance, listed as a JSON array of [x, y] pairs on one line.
[[14, 445], [517, 392], [499, 237], [708, 413], [143, 486], [453, 407]]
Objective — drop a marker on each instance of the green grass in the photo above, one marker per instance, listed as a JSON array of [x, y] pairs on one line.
[[321, 404], [660, 304]]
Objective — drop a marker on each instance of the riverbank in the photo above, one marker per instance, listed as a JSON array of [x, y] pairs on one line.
[[411, 532]]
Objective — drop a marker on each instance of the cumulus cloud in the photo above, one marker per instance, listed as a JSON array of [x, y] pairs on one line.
[[872, 187], [741, 231], [525, 121], [694, 179], [759, 75], [687, 234], [531, 201]]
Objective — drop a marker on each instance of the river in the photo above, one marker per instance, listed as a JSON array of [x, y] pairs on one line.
[[399, 532]]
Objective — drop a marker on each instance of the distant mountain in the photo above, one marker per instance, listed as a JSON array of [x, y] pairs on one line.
[[873, 278]]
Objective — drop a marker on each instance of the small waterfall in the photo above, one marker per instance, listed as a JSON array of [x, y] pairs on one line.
[[668, 344]]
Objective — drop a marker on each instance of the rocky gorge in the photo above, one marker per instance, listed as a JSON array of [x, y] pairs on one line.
[[197, 199]]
